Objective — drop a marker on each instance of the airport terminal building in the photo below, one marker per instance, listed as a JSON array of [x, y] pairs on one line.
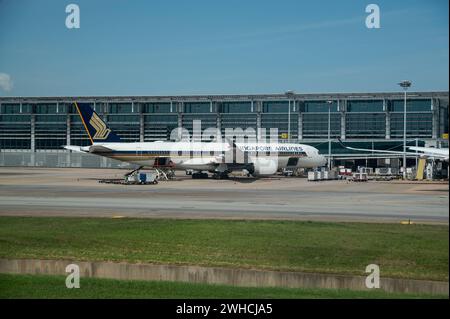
[[33, 129]]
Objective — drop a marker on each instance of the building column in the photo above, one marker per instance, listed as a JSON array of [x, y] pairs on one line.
[[218, 123], [68, 121], [180, 111], [342, 107], [141, 127], [258, 116], [435, 121], [300, 126], [388, 126], [442, 120], [105, 107]]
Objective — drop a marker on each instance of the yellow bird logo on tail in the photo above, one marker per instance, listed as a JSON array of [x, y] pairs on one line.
[[101, 131]]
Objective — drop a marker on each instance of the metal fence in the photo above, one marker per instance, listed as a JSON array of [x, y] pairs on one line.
[[58, 159]]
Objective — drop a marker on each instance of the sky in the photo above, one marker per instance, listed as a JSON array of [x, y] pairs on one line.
[[159, 47]]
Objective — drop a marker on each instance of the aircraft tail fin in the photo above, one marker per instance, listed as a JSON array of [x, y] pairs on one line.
[[95, 127]]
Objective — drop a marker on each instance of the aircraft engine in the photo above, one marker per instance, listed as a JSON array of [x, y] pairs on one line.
[[264, 166]]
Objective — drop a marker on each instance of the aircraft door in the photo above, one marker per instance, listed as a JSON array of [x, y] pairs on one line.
[[161, 161], [292, 161]]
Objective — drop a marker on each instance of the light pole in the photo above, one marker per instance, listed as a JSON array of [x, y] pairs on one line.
[[405, 85], [329, 133]]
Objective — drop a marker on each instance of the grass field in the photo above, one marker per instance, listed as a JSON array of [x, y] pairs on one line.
[[405, 251], [40, 286]]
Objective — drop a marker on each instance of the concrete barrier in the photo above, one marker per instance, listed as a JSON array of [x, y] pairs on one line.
[[216, 275]]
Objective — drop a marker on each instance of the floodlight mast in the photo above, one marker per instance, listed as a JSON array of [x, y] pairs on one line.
[[405, 84]]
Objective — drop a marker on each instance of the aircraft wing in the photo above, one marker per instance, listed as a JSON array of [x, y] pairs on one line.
[[431, 151], [74, 148], [88, 149], [426, 151], [99, 149], [371, 150]]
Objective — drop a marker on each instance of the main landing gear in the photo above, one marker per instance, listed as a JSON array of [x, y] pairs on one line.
[[216, 175], [199, 175], [219, 175]]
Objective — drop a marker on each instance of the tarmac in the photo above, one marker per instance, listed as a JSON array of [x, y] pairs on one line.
[[26, 191]]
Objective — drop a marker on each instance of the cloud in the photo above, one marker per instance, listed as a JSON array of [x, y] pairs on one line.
[[6, 84]]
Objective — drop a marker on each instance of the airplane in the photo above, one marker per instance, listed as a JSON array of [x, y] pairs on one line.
[[425, 152], [254, 159]]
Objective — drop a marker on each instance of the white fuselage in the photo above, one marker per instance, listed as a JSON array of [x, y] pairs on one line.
[[210, 156]]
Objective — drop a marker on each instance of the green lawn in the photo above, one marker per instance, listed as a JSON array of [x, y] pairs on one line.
[[406, 251], [41, 286]]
